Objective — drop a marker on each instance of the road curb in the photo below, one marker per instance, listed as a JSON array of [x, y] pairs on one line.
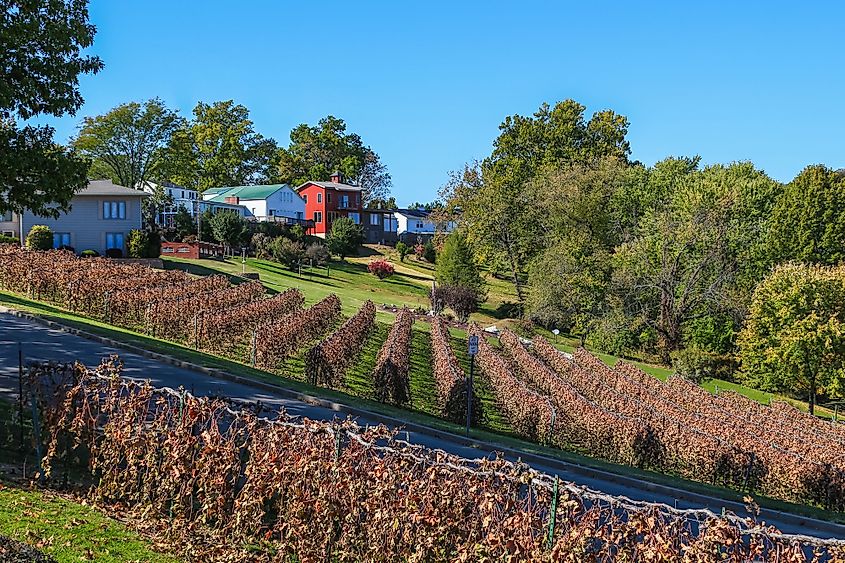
[[812, 524]]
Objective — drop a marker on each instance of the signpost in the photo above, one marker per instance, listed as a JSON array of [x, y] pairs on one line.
[[473, 350]]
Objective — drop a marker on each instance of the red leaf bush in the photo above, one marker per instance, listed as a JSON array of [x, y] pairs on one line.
[[381, 269]]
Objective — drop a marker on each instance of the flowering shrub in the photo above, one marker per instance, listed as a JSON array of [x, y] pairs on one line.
[[380, 268]]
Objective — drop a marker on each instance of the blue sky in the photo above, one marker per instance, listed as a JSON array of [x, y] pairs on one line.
[[427, 84]]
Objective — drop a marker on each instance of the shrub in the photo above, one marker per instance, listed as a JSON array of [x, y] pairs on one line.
[[524, 328], [429, 252], [89, 254], [8, 240], [345, 237], [317, 252], [137, 243], [67, 247], [114, 253], [403, 250], [40, 237], [380, 268], [261, 245], [286, 251], [456, 266], [297, 232], [462, 300], [697, 364], [419, 250]]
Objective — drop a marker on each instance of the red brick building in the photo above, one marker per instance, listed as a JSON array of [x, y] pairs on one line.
[[326, 201]]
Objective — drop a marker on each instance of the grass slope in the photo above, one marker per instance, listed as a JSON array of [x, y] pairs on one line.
[[69, 531]]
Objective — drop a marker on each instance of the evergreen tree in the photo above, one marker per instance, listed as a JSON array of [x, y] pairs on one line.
[[456, 266]]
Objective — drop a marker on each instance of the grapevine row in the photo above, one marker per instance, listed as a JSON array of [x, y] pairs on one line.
[[327, 362], [393, 363]]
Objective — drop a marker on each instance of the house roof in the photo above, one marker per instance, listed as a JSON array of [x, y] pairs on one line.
[[331, 186], [107, 187], [422, 213], [244, 192]]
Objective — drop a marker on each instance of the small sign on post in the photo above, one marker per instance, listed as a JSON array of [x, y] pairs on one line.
[[473, 344]]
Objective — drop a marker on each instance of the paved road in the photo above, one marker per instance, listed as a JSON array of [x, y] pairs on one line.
[[41, 343]]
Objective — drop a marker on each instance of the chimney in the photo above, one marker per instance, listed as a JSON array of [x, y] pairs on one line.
[[337, 177], [233, 200]]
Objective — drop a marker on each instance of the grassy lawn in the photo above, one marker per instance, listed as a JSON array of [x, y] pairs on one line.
[[69, 531]]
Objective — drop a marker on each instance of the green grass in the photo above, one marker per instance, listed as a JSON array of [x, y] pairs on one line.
[[69, 531]]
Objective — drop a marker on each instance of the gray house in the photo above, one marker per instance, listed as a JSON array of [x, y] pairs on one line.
[[100, 218]]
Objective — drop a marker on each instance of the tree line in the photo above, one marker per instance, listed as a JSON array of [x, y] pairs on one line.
[[665, 262]]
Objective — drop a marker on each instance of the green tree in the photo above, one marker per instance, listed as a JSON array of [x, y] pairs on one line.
[[128, 143], [345, 237], [500, 217], [381, 203], [40, 237], [219, 147], [808, 222], [228, 228], [41, 47], [315, 152], [183, 223], [794, 340], [456, 264], [403, 250], [691, 249]]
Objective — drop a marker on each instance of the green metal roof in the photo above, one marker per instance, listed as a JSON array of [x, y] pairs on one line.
[[244, 192]]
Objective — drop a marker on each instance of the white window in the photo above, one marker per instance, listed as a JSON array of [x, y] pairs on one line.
[[318, 216], [374, 219], [305, 198], [319, 198], [344, 201], [61, 239], [9, 234], [389, 225], [114, 240], [419, 224], [183, 194], [114, 210], [356, 218]]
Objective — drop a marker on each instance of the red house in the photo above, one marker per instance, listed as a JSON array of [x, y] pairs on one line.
[[326, 201]]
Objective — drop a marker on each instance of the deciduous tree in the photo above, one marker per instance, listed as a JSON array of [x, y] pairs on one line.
[[345, 237], [41, 59], [794, 340], [220, 147], [127, 144], [315, 152]]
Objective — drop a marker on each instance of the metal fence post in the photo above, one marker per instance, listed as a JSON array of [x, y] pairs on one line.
[[553, 515], [254, 345], [20, 393], [36, 432]]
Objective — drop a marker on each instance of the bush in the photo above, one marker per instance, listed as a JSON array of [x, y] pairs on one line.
[[89, 254], [524, 328], [419, 250], [40, 237], [462, 300], [297, 232], [114, 253], [317, 253], [137, 243], [380, 268], [429, 253], [345, 237], [67, 247], [261, 245], [403, 250], [286, 251], [697, 364], [8, 240]]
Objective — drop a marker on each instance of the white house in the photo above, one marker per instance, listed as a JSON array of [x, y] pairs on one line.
[[416, 224], [274, 202], [188, 199]]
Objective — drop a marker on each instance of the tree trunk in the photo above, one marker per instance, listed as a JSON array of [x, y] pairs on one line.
[[515, 273]]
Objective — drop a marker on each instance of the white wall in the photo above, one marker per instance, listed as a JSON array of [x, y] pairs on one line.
[[283, 203]]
